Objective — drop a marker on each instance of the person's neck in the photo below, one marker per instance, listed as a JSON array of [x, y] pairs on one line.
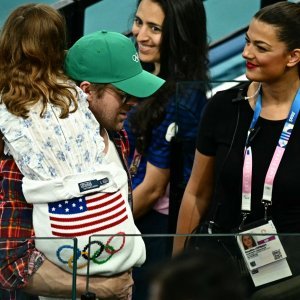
[[104, 134], [282, 93], [156, 68], [277, 99]]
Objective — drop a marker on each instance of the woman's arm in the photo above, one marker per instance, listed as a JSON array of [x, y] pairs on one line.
[[150, 189], [196, 198]]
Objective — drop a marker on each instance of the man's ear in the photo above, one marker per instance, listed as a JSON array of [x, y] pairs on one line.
[[294, 58], [85, 86]]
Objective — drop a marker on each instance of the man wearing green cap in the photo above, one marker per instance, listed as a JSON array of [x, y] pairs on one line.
[[109, 58], [106, 66]]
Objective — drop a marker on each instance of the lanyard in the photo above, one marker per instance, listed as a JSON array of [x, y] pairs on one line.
[[277, 156]]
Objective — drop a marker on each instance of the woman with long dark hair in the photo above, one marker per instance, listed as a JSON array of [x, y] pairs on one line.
[[249, 140], [171, 39]]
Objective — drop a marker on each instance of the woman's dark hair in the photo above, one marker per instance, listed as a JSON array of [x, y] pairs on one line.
[[285, 16], [183, 57], [183, 49]]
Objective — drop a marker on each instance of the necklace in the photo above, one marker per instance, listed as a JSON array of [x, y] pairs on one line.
[[256, 92]]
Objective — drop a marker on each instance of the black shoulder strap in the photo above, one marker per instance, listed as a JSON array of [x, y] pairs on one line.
[[211, 217]]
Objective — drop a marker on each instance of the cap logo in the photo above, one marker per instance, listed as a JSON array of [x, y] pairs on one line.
[[135, 57]]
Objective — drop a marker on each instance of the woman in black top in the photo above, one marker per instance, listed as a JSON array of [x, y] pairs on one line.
[[272, 54]]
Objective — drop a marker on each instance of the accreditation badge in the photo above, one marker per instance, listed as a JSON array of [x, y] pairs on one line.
[[263, 254]]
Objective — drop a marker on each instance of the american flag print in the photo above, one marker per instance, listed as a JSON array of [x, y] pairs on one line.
[[87, 215]]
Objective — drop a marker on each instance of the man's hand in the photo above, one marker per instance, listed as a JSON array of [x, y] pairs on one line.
[[112, 288], [52, 281]]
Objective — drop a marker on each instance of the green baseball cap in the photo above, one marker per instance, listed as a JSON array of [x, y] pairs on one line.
[[110, 57]]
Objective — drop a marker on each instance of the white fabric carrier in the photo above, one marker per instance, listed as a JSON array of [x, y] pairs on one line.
[[50, 147], [75, 190], [105, 215], [109, 177]]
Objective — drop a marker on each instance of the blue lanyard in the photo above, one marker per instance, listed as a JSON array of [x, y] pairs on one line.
[[290, 121], [277, 156]]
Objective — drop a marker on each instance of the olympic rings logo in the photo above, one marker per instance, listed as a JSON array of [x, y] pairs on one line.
[[135, 57], [105, 250]]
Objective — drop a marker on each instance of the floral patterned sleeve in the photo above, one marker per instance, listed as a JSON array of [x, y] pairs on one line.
[[18, 257]]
